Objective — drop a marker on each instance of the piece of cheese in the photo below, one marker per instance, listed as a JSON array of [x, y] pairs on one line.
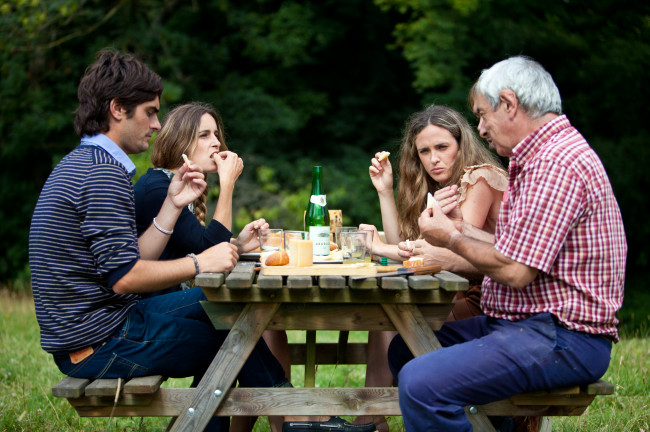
[[431, 201], [301, 252], [414, 262]]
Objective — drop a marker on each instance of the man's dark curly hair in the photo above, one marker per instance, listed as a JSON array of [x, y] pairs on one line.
[[117, 76]]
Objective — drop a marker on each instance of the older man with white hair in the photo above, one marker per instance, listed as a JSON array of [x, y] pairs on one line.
[[554, 268]]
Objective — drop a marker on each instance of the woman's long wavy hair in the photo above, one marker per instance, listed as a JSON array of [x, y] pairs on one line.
[[179, 134], [414, 181]]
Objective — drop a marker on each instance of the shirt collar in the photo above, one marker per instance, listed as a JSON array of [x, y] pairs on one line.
[[530, 145], [104, 142]]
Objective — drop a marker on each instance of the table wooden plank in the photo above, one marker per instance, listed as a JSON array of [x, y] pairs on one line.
[[331, 282], [299, 282], [70, 387], [169, 402], [269, 282], [313, 294], [367, 283], [354, 317], [210, 279], [394, 283], [241, 277], [223, 370], [452, 282], [143, 385], [420, 282]]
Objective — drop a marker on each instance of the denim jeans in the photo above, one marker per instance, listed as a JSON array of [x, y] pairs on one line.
[[171, 335], [485, 359]]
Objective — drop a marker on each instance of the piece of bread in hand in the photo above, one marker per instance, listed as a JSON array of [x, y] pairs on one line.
[[383, 156], [414, 262], [277, 258]]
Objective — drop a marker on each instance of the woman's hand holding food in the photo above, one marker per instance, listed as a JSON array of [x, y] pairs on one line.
[[420, 248], [229, 168], [381, 173], [186, 186]]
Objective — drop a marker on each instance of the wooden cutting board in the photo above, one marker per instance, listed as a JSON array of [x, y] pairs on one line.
[[362, 269]]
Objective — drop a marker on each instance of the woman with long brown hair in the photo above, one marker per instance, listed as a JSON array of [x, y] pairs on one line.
[[194, 130], [440, 154]]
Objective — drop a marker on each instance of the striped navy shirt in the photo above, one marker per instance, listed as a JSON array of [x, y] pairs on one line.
[[81, 241]]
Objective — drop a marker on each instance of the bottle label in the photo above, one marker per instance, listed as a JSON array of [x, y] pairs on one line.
[[320, 237], [318, 200]]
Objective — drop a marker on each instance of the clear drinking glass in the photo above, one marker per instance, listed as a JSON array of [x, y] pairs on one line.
[[353, 246], [271, 239], [339, 229]]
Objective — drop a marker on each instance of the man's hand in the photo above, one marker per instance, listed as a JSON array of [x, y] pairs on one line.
[[186, 186], [248, 238], [219, 258], [436, 227]]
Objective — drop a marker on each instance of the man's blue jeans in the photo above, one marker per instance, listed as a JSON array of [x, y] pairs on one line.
[[485, 359], [170, 335]]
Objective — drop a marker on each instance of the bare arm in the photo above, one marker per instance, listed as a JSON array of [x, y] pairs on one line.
[[439, 230], [381, 174], [434, 255], [183, 189], [248, 238], [230, 167], [491, 262], [147, 276]]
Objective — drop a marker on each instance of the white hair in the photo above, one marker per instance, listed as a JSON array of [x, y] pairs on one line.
[[535, 89]]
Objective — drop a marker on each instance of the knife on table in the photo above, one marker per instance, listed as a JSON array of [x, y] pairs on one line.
[[404, 271]]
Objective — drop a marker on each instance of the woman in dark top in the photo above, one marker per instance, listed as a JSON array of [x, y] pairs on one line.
[[196, 131]]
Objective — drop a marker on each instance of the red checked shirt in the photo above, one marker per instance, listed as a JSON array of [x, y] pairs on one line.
[[560, 217]]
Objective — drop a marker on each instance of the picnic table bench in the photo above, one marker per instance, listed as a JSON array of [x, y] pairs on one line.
[[248, 304]]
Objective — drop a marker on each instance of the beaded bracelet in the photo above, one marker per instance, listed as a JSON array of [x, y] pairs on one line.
[[196, 263], [161, 229]]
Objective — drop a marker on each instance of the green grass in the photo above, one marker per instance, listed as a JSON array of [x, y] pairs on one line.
[[27, 374]]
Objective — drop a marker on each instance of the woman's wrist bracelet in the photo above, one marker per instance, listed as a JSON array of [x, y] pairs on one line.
[[162, 230], [196, 263]]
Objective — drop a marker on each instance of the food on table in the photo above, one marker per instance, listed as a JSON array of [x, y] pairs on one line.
[[333, 246], [302, 252], [277, 258], [383, 156], [414, 262]]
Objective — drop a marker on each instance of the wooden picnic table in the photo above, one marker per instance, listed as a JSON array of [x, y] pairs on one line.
[[248, 303]]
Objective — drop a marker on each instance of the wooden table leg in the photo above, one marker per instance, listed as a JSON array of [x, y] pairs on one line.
[[223, 370], [419, 337], [411, 325]]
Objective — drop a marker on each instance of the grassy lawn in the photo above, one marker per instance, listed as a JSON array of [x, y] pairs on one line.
[[27, 374]]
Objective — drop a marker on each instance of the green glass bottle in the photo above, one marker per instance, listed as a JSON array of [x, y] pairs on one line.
[[317, 218]]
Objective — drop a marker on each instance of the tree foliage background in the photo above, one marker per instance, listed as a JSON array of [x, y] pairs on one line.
[[330, 82]]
